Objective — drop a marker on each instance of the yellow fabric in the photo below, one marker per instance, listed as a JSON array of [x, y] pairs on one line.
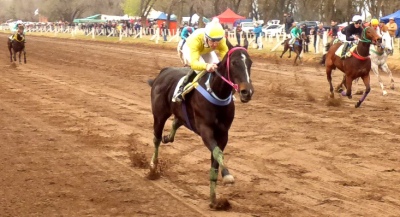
[[198, 46], [374, 22]]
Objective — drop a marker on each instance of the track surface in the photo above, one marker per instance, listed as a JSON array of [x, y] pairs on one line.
[[76, 116]]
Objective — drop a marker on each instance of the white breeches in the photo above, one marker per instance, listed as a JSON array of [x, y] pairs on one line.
[[205, 58]]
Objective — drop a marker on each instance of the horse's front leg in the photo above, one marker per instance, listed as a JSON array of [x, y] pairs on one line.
[[158, 126], [386, 69], [217, 159], [19, 56], [329, 78], [15, 55], [349, 83], [366, 80], [375, 69], [24, 56], [175, 125]]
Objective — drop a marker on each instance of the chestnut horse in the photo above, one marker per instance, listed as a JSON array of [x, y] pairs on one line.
[[297, 48], [17, 45], [208, 111], [355, 66]]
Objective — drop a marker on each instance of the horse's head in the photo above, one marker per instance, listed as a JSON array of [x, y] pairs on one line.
[[237, 64], [386, 44], [369, 35], [21, 29]]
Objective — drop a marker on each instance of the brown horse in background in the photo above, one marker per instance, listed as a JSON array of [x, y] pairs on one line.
[[208, 110], [17, 45], [297, 48], [355, 66]]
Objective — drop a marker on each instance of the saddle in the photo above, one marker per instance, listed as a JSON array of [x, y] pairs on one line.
[[348, 53]]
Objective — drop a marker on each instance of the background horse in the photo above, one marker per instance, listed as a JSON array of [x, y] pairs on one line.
[[208, 111], [379, 55], [297, 48], [17, 45], [355, 66]]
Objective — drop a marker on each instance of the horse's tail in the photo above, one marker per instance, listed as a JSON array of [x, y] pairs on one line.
[[327, 46], [150, 82]]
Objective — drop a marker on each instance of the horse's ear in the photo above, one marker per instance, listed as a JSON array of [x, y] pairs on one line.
[[246, 42], [228, 43]]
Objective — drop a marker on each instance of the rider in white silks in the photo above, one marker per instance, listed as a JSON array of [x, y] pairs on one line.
[[380, 54], [14, 30], [199, 51]]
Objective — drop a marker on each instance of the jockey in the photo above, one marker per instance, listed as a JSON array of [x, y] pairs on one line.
[[186, 31], [295, 33], [374, 24], [15, 30], [199, 51], [353, 33]]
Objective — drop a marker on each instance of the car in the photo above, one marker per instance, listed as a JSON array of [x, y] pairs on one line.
[[272, 30], [309, 24], [247, 27]]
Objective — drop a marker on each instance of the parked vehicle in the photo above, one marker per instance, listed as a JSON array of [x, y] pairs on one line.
[[272, 30]]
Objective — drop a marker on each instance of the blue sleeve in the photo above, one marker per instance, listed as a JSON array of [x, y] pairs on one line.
[[184, 33]]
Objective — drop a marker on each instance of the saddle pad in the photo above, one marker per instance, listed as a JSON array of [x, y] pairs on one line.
[[177, 86], [348, 54]]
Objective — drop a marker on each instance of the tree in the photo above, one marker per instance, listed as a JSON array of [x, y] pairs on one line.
[[140, 8]]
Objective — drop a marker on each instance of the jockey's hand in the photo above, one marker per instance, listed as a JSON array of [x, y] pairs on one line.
[[211, 67]]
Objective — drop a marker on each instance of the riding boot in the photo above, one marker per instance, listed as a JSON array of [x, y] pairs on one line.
[[343, 55], [178, 96]]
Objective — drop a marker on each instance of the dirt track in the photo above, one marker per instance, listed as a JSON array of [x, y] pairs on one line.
[[74, 118]]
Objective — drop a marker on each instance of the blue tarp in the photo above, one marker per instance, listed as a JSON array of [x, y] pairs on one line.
[[163, 16], [396, 16]]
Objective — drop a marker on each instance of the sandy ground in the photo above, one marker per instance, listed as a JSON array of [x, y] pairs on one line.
[[76, 126]]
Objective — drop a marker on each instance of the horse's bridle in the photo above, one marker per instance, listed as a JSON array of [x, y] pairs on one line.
[[235, 86]]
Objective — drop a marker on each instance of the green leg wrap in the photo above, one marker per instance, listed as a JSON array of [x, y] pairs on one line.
[[213, 184], [156, 146], [175, 126], [219, 156]]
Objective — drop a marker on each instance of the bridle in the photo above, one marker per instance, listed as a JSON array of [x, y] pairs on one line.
[[228, 81]]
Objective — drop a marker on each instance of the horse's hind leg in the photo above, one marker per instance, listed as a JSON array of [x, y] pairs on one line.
[[349, 83], [366, 80], [159, 122], [175, 125], [284, 51], [386, 69], [329, 77]]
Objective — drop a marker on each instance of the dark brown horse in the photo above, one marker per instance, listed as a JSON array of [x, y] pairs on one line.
[[297, 48], [17, 45], [357, 65], [208, 110]]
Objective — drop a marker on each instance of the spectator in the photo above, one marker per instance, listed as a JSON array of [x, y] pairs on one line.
[[238, 32], [288, 20], [392, 28], [257, 32], [334, 30]]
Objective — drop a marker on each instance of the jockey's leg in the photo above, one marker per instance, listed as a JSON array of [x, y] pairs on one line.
[[291, 41], [345, 45]]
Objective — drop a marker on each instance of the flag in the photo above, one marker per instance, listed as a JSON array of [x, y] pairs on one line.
[[37, 12]]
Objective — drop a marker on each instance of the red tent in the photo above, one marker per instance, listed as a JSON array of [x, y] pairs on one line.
[[229, 16]]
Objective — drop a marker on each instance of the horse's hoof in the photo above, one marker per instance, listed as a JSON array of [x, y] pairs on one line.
[[228, 179], [350, 97], [166, 139], [384, 93], [332, 96], [221, 204], [359, 92], [392, 86], [358, 104]]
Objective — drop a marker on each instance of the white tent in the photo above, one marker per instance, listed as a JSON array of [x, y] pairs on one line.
[[195, 18]]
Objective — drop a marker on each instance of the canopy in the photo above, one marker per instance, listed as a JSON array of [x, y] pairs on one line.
[[396, 16], [92, 19], [229, 16]]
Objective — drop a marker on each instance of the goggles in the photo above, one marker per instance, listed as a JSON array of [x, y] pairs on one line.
[[358, 22]]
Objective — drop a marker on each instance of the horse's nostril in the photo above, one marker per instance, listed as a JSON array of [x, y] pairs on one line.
[[244, 92]]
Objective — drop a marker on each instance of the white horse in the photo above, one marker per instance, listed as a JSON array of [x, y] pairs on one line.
[[379, 55]]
